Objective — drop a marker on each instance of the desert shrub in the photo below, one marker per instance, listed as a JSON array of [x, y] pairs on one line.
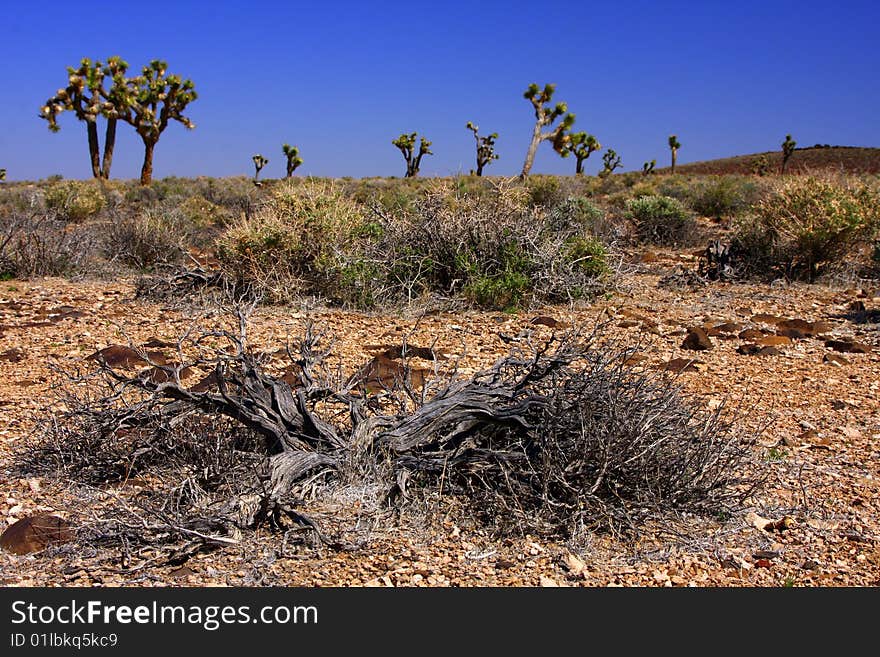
[[75, 200], [805, 225], [38, 244], [295, 243], [146, 239], [661, 220], [544, 191], [201, 213], [496, 250], [724, 196], [555, 438]]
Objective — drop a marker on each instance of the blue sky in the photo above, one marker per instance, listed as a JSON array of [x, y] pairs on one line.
[[342, 79]]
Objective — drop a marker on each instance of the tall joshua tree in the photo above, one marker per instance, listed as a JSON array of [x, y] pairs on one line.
[[787, 151], [407, 143], [86, 96], [259, 163], [610, 162], [582, 145], [674, 145], [545, 116], [485, 148], [152, 100], [293, 158]]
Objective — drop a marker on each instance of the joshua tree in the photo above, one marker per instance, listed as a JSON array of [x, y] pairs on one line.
[[293, 158], [648, 167], [2, 175], [610, 162], [545, 116], [582, 145], [151, 100], [761, 165], [87, 98], [787, 151], [485, 148], [674, 145], [259, 163], [406, 143]]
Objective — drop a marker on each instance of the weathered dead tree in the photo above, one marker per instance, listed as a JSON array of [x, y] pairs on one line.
[[555, 437]]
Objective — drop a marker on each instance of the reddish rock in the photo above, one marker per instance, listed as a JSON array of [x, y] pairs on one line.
[[681, 365], [35, 533], [13, 355], [835, 359], [697, 340], [751, 334], [792, 333], [764, 318], [801, 325], [117, 355], [772, 340], [848, 346]]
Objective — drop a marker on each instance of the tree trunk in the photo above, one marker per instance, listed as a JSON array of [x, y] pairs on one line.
[[479, 168], [94, 149], [673, 161], [533, 148], [147, 168], [289, 169], [109, 144], [580, 166]]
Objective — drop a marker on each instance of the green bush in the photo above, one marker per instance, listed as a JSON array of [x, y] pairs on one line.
[[724, 196], [662, 220], [295, 244], [147, 239], [75, 200], [807, 224]]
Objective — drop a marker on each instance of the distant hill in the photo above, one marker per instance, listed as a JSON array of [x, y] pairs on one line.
[[850, 159]]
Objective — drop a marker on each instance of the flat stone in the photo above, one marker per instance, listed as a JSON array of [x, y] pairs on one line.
[[751, 334], [697, 340], [35, 533], [848, 346], [773, 340]]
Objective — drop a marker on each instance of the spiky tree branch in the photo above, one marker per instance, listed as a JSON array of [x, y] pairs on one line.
[[787, 151], [485, 148], [610, 162], [86, 96], [406, 143], [582, 145], [152, 100], [674, 145], [293, 158], [545, 116], [259, 163]]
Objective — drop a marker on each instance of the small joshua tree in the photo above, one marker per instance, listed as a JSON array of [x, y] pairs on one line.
[[485, 148], [582, 145], [152, 100], [259, 163], [2, 175], [293, 158], [610, 162], [87, 97], [674, 145], [787, 151], [648, 167], [406, 143], [545, 116], [761, 165]]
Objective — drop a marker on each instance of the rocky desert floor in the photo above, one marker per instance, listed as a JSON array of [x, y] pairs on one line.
[[810, 390]]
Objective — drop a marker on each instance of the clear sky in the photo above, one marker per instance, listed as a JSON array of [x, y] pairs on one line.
[[342, 79]]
